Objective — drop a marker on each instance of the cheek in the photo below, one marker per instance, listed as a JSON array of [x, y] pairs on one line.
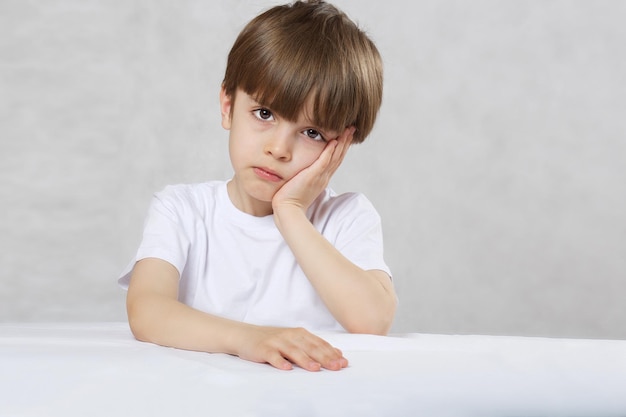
[[241, 140], [237, 149], [309, 154]]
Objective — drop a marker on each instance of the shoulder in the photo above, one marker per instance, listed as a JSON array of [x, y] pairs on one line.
[[183, 198], [349, 205]]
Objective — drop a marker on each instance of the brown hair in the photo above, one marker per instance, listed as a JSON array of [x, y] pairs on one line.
[[309, 50]]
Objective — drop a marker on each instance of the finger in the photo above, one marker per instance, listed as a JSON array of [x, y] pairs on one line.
[[277, 360], [343, 360], [300, 358], [326, 355], [335, 362], [343, 144], [348, 139], [309, 347], [324, 161]]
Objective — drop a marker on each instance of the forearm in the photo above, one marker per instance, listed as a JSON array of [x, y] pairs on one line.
[[159, 319], [167, 322], [155, 315], [362, 301]]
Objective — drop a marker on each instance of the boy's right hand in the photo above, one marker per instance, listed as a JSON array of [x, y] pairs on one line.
[[285, 347]]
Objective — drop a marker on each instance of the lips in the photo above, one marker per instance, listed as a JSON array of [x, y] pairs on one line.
[[267, 174]]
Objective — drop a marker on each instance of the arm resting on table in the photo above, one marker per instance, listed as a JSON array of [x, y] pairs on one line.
[[155, 315]]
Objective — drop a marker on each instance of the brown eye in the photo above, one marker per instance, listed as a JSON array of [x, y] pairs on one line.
[[263, 114], [314, 134]]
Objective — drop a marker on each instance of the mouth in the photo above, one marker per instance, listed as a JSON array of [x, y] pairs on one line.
[[267, 174]]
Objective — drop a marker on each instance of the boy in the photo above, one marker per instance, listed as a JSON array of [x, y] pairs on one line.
[[243, 266]]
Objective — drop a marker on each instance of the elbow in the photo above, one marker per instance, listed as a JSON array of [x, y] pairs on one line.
[[378, 327], [377, 321], [138, 330], [138, 320], [369, 329]]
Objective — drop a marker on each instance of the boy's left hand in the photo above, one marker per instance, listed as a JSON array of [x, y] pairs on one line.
[[304, 187]]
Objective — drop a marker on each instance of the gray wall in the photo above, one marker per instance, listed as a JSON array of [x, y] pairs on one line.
[[497, 163]]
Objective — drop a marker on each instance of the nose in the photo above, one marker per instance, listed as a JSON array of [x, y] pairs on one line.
[[279, 145]]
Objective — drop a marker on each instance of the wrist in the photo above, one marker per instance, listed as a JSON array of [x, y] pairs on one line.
[[237, 334], [287, 213]]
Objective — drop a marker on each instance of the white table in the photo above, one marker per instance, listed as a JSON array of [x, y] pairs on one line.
[[91, 370]]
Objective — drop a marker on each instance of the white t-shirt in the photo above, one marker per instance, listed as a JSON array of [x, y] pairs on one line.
[[238, 266]]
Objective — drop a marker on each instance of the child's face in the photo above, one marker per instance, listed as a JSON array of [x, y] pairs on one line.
[[266, 150]]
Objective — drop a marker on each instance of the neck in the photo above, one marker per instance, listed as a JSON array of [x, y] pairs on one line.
[[245, 203]]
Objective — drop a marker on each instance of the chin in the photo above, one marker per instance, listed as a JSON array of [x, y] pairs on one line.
[[262, 194]]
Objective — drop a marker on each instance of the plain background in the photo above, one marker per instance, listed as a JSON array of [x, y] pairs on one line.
[[497, 163]]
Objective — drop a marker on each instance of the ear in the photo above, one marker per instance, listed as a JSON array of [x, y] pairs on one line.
[[225, 108]]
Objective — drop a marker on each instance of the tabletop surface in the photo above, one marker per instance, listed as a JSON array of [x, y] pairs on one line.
[[99, 369]]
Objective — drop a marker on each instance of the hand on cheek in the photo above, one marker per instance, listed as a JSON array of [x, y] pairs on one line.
[[305, 186]]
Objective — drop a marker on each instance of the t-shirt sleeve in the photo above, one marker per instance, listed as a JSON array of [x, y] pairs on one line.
[[359, 235], [164, 234]]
